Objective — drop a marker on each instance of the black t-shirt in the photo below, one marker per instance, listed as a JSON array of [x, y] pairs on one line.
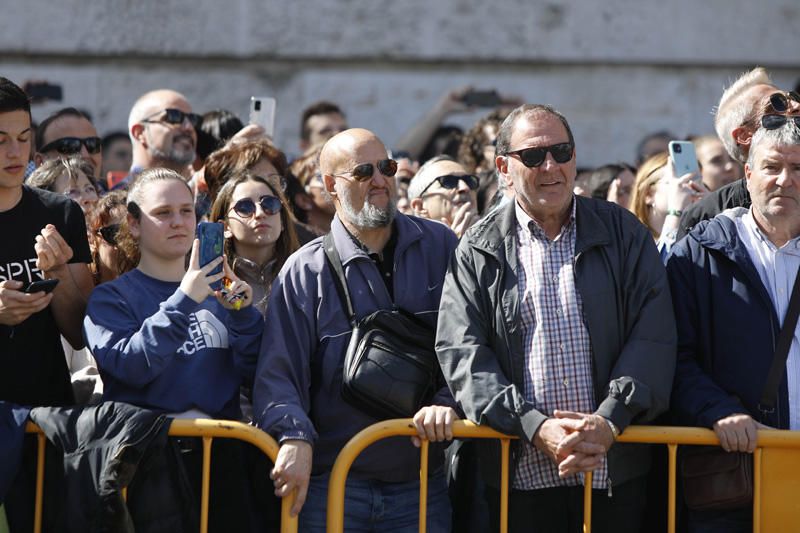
[[33, 370]]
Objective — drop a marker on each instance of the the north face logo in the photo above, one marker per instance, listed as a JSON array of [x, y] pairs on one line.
[[205, 331]]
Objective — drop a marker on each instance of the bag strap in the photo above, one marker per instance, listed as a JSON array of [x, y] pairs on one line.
[[335, 262], [769, 396]]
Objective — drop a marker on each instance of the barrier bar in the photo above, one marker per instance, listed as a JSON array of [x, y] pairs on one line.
[[587, 502], [192, 428]]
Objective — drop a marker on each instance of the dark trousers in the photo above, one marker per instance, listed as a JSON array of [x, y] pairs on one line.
[[560, 509]]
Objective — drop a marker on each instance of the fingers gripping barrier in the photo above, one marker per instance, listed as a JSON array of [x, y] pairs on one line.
[[776, 463], [207, 430]]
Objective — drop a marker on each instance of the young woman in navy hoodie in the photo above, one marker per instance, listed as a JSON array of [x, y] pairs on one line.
[[163, 339]]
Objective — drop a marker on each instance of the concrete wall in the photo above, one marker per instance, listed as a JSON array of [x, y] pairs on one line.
[[617, 68]]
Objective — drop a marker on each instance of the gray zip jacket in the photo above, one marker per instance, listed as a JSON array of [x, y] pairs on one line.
[[627, 310]]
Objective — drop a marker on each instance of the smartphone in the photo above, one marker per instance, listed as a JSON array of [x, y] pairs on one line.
[[41, 91], [482, 98], [683, 158], [262, 113], [212, 239], [46, 285]]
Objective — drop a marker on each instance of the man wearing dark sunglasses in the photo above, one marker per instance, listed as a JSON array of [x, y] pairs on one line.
[[161, 125], [66, 132], [443, 190], [389, 259], [555, 325]]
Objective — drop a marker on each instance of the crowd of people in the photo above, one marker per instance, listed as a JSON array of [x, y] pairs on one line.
[[566, 303]]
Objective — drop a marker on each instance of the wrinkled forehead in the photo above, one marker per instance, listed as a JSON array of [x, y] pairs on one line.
[[443, 168], [359, 151], [775, 150], [168, 101]]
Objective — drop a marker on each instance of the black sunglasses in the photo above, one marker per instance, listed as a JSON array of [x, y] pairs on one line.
[[773, 122], [450, 181], [534, 157], [780, 101], [109, 233], [72, 145], [176, 116], [246, 207], [363, 172]]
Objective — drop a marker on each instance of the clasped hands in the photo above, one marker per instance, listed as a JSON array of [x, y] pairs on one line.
[[576, 442]]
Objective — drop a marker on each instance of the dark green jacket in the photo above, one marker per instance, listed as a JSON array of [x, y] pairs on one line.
[[627, 310]]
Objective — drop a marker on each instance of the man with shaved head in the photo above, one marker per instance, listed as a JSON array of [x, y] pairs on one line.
[[161, 126], [390, 260]]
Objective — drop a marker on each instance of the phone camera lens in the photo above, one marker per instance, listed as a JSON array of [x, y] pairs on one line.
[[677, 148], [258, 105]]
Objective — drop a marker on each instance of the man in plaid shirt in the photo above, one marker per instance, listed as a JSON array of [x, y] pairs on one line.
[[556, 325]]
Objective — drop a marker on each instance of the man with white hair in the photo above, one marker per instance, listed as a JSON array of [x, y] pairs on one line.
[[731, 280], [161, 125]]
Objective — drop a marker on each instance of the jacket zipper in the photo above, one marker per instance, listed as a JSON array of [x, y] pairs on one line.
[[608, 484]]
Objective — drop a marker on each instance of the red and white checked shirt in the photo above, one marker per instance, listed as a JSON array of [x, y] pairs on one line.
[[558, 354]]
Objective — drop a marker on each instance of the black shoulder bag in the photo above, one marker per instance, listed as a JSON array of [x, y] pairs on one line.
[[390, 368], [716, 480]]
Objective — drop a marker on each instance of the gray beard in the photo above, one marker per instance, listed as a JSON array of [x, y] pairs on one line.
[[370, 216], [175, 156]]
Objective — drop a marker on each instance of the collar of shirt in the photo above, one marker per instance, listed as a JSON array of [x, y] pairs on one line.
[[525, 221], [791, 247], [388, 249], [250, 270]]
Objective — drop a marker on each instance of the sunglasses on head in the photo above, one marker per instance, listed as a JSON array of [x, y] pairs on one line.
[[72, 145], [534, 157], [780, 101], [109, 233], [450, 181], [176, 116], [364, 171], [773, 122], [246, 207]]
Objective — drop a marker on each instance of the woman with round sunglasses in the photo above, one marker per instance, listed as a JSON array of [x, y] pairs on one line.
[[72, 176], [259, 231], [103, 228]]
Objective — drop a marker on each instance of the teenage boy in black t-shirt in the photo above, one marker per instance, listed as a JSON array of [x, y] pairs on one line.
[[43, 237]]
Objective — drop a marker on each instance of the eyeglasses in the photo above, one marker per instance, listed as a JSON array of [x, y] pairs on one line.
[[72, 145], [534, 157], [780, 101], [364, 171], [450, 181], [246, 207], [176, 116], [109, 233], [773, 122]]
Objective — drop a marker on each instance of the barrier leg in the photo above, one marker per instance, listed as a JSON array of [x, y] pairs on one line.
[[37, 509], [206, 484], [505, 446], [587, 502], [757, 490], [423, 487], [672, 450]]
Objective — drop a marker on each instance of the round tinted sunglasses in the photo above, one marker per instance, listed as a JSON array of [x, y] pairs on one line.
[[780, 101], [72, 145], [773, 122], [534, 157], [450, 181], [176, 117], [364, 171], [246, 207], [109, 233]]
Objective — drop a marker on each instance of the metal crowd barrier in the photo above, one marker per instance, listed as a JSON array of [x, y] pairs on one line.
[[776, 468], [208, 430]]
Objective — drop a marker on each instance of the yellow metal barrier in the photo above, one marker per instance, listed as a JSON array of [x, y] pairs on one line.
[[208, 430], [776, 460]]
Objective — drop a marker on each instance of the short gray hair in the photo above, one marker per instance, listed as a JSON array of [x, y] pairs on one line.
[[786, 135], [503, 144], [733, 111]]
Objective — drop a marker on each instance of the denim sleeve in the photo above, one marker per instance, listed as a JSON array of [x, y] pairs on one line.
[[281, 392]]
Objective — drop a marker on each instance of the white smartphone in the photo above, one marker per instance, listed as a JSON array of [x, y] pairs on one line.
[[262, 113], [684, 159]]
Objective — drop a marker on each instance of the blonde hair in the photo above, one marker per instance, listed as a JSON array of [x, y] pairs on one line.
[[46, 175], [646, 178], [128, 246]]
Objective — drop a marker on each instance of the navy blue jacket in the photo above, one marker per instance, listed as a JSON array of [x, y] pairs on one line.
[[727, 328]]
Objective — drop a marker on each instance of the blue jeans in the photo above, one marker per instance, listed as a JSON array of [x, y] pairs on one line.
[[375, 506]]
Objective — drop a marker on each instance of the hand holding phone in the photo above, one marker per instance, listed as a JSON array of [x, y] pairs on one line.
[[684, 160], [262, 113], [42, 285]]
